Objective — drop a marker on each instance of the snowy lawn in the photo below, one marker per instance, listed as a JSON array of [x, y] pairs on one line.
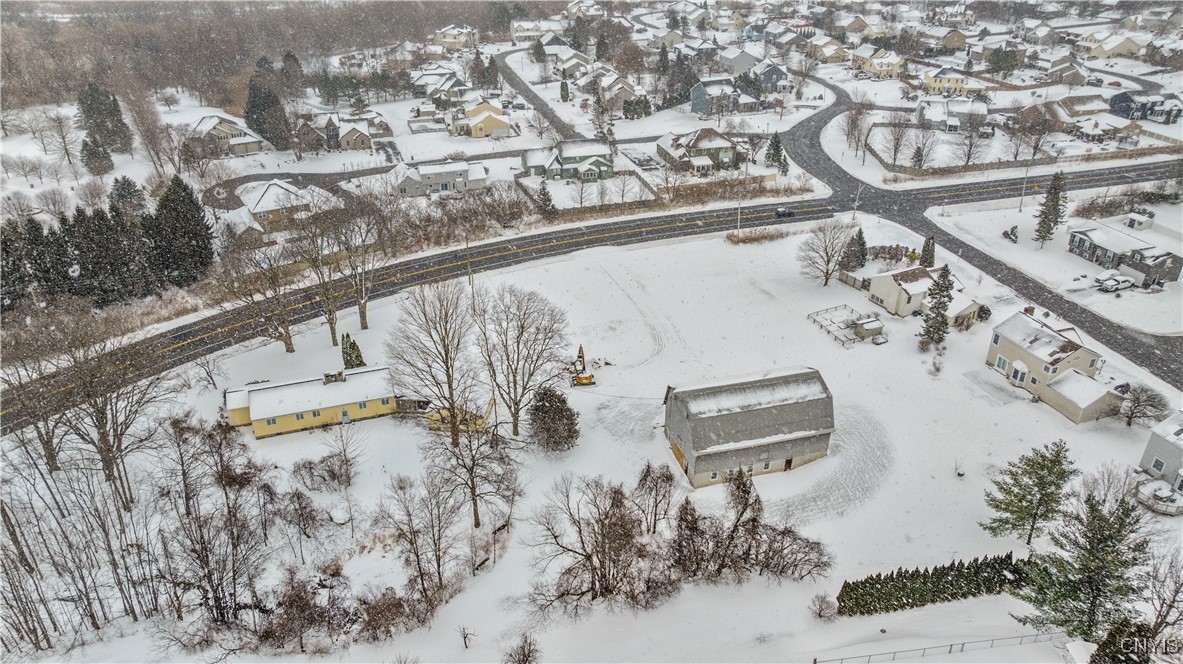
[[982, 224], [683, 311]]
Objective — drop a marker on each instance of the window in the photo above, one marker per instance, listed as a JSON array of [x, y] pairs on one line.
[[749, 469], [876, 299], [996, 339], [1034, 380], [1158, 465], [767, 464], [714, 474], [271, 421], [299, 416], [385, 401], [1092, 363], [1055, 369], [1047, 368], [909, 299], [1001, 363], [316, 413], [362, 405], [730, 472], [1179, 486]]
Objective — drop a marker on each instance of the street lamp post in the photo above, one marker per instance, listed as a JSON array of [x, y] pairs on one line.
[[1023, 193]]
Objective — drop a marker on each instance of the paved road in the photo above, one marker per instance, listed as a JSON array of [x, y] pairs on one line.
[[526, 92], [1158, 354]]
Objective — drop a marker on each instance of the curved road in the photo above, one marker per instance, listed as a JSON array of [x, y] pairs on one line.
[[1160, 355]]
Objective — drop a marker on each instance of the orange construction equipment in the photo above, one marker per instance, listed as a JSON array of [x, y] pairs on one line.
[[580, 377]]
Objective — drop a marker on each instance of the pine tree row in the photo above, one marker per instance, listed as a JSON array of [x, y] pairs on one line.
[[110, 255], [907, 589]]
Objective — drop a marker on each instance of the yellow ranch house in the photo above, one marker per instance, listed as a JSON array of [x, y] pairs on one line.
[[341, 397]]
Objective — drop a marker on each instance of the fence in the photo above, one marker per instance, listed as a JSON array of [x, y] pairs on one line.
[[854, 282], [833, 320], [947, 649]]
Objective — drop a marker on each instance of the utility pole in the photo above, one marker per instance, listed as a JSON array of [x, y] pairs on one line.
[[738, 208], [1023, 193], [858, 194]]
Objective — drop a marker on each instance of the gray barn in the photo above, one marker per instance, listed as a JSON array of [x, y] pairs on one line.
[[763, 424]]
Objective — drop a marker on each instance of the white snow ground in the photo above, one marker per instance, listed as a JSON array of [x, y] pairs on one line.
[[694, 309]]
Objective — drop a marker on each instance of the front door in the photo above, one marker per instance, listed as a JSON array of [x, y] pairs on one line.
[[789, 463], [344, 417]]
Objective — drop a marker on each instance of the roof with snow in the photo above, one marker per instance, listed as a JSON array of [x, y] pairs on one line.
[[1049, 345], [1078, 388], [1171, 429], [752, 411], [301, 396], [1113, 239]]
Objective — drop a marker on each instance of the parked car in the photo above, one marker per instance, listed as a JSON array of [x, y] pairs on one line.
[[784, 212], [1116, 284], [1094, 81], [519, 105], [1114, 84], [1106, 276]]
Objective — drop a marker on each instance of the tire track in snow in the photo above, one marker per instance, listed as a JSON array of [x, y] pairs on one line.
[[656, 335], [864, 458]]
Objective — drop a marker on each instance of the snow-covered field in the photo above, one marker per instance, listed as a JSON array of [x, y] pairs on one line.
[[982, 224], [683, 311]]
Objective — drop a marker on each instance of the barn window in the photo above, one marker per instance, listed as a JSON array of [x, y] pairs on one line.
[[767, 464]]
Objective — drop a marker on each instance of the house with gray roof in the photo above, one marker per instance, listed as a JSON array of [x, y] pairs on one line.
[[1162, 465], [1052, 364], [587, 159], [1143, 261], [719, 95], [761, 424]]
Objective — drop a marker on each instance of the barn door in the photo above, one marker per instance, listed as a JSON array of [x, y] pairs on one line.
[[789, 463]]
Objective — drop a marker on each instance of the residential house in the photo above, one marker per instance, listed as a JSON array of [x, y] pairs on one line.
[[825, 49], [1162, 465], [584, 9], [215, 136], [1101, 127], [887, 65], [904, 292], [941, 40], [1168, 112], [457, 37], [701, 151], [613, 88], [1143, 261], [696, 49], [946, 81], [737, 60], [692, 12], [479, 118], [276, 203], [860, 56], [1036, 31], [1136, 105], [772, 76], [329, 131], [957, 14], [755, 32], [528, 30], [352, 395], [587, 159], [573, 64], [1081, 106], [1099, 45], [1052, 364], [1048, 59], [726, 20], [849, 24], [716, 95], [664, 37], [1071, 74], [758, 425]]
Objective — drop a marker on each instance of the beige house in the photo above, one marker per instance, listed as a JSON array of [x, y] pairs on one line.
[[1051, 364], [945, 80], [905, 291], [215, 136], [1098, 45], [278, 202], [860, 56], [887, 65], [480, 118], [457, 37]]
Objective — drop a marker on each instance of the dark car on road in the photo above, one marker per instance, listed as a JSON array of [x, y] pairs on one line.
[[784, 212]]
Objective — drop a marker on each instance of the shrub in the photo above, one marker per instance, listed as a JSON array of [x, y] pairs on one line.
[[823, 607], [756, 235]]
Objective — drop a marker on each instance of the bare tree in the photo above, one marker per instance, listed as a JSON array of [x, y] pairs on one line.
[[971, 143], [806, 67], [1163, 580], [821, 252], [92, 193], [480, 469], [258, 280], [520, 335], [358, 237], [823, 607], [653, 495], [924, 145], [624, 185], [670, 179], [1144, 404], [26, 166], [898, 134], [314, 246], [63, 141], [525, 651], [35, 122], [430, 350], [155, 139], [18, 205], [54, 201], [1038, 125]]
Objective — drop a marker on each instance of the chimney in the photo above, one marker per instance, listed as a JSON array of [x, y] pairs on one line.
[[1030, 311], [334, 377]]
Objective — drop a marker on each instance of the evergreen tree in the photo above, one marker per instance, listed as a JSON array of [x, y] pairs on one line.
[[127, 197], [854, 254], [1051, 210], [673, 22], [96, 158], [179, 238], [774, 154], [51, 261], [546, 206], [1088, 581], [1029, 493], [358, 106], [918, 157], [554, 424], [564, 92], [861, 241], [1126, 643], [538, 52], [100, 116], [936, 320], [928, 253], [15, 276], [351, 353], [601, 48], [663, 60], [264, 112], [109, 254], [291, 74]]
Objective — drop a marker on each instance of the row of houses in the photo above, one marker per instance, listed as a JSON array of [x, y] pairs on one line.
[[216, 136]]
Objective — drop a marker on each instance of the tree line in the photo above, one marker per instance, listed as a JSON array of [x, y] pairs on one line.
[[908, 589]]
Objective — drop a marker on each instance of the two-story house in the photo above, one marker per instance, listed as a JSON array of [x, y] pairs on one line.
[[479, 118], [701, 151], [1161, 489], [1135, 105], [586, 159], [945, 81], [277, 203], [904, 292], [716, 95], [215, 136], [1112, 249], [1052, 364], [441, 178], [1036, 31], [457, 37], [737, 60], [884, 65], [330, 131]]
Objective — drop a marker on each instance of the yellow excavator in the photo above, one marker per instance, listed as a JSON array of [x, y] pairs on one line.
[[580, 376]]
